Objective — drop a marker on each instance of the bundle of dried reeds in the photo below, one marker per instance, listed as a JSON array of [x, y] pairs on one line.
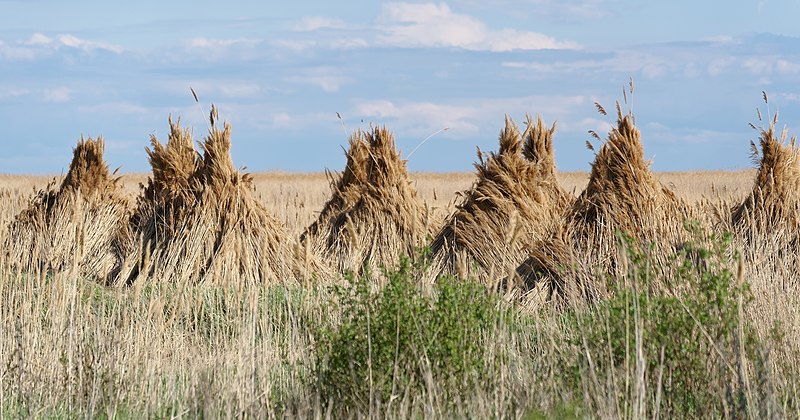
[[198, 221], [76, 225], [772, 209], [374, 215], [622, 196], [515, 201]]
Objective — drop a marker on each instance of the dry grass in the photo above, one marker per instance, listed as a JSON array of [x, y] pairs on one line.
[[75, 226], [373, 216], [198, 221], [515, 201]]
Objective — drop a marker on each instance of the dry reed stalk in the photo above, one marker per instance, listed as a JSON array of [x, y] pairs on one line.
[[198, 221], [373, 216], [622, 196], [78, 222], [515, 201]]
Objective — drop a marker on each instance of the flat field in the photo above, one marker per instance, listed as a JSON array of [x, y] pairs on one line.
[[297, 198]]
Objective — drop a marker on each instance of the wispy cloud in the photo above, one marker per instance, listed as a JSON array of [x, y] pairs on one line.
[[326, 78], [314, 23], [13, 92], [422, 117], [435, 25], [16, 53], [771, 65], [467, 118], [214, 44], [558, 10], [61, 94], [282, 119], [216, 49], [115, 108], [71, 41], [39, 45], [240, 90], [54, 94], [658, 62]]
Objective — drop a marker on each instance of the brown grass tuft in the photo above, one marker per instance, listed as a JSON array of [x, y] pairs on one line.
[[73, 226], [515, 201], [198, 220], [374, 215]]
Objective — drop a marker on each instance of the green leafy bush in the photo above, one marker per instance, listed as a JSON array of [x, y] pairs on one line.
[[400, 339], [679, 351]]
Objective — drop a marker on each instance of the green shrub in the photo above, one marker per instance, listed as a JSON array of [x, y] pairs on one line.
[[689, 340], [396, 340]]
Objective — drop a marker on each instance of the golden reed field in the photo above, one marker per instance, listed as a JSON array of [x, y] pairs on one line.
[[295, 198], [510, 291]]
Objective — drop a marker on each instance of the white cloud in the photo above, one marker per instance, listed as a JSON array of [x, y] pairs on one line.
[[39, 45], [208, 43], [38, 39], [15, 53], [723, 40], [790, 97], [240, 90], [650, 65], [60, 94], [122, 145], [114, 108], [282, 119], [214, 49], [704, 136], [82, 44], [718, 66], [435, 25], [326, 83], [423, 117], [314, 23], [213, 89], [552, 10], [13, 92], [581, 10], [326, 78], [70, 41], [769, 65], [468, 117], [601, 127]]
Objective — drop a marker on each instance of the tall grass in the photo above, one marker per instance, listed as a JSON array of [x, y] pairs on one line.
[[705, 348]]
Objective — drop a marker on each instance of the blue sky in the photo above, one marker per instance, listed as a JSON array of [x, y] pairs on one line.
[[280, 73]]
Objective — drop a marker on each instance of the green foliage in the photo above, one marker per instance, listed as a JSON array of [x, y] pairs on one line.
[[562, 411], [399, 339], [688, 336]]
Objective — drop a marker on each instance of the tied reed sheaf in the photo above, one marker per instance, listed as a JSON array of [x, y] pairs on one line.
[[76, 225], [622, 196], [773, 206], [373, 216], [193, 300], [198, 221], [515, 201]]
